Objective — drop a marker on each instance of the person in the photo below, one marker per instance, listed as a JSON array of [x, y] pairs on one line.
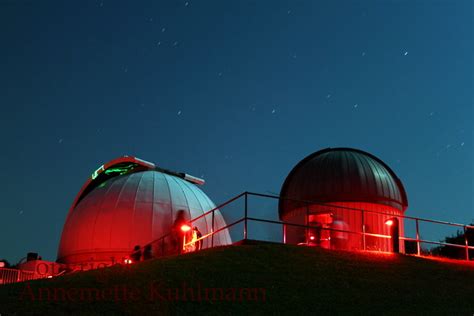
[[196, 235], [147, 253], [177, 233], [190, 241], [338, 234], [136, 254]]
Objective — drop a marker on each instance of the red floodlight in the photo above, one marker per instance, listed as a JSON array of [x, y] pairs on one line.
[[389, 222], [185, 228], [311, 237], [128, 261]]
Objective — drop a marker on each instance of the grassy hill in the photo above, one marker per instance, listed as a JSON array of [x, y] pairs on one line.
[[260, 278]]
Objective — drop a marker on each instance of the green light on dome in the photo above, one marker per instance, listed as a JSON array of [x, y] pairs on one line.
[[119, 169], [96, 173]]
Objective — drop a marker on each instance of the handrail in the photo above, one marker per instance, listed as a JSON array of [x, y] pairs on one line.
[[325, 228], [360, 210], [215, 232], [200, 216], [9, 275], [218, 207], [25, 275], [247, 218]]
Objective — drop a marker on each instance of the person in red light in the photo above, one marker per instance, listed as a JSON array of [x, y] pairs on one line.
[[338, 234], [177, 232], [147, 252], [196, 235], [136, 254]]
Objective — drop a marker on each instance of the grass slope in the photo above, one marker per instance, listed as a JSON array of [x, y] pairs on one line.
[[294, 280]]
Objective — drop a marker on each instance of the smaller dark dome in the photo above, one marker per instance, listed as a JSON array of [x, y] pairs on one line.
[[342, 175]]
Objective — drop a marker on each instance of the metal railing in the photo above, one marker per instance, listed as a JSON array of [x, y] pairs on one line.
[[168, 245], [161, 246], [417, 220], [8, 276]]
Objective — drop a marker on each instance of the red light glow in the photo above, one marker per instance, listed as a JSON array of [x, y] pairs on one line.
[[389, 222], [128, 261], [311, 237], [185, 228]]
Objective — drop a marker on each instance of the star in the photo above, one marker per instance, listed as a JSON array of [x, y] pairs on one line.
[[406, 53], [356, 105], [179, 112], [60, 140]]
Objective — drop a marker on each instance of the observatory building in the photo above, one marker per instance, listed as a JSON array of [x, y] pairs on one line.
[[128, 202], [336, 184]]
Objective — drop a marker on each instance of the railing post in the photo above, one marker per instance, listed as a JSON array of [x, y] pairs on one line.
[[418, 248], [364, 245], [466, 243], [212, 230], [245, 218], [307, 224]]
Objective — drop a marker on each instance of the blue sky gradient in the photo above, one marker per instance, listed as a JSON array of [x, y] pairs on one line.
[[234, 91]]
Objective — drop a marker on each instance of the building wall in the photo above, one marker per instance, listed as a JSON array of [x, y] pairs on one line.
[[374, 223]]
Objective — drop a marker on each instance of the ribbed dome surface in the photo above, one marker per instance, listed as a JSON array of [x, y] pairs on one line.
[[132, 209], [340, 175]]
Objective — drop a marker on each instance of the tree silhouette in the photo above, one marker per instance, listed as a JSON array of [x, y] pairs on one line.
[[458, 239]]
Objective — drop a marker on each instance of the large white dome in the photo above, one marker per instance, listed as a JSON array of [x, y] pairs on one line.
[[131, 205]]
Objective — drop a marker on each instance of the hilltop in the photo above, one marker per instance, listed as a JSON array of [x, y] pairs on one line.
[[255, 278]]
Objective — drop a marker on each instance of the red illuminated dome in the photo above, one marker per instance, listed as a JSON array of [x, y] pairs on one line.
[[343, 177], [130, 202]]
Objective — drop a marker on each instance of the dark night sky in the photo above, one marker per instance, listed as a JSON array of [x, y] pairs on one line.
[[234, 91]]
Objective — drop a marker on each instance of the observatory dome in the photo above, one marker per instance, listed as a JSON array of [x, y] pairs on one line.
[[342, 175], [130, 202]]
